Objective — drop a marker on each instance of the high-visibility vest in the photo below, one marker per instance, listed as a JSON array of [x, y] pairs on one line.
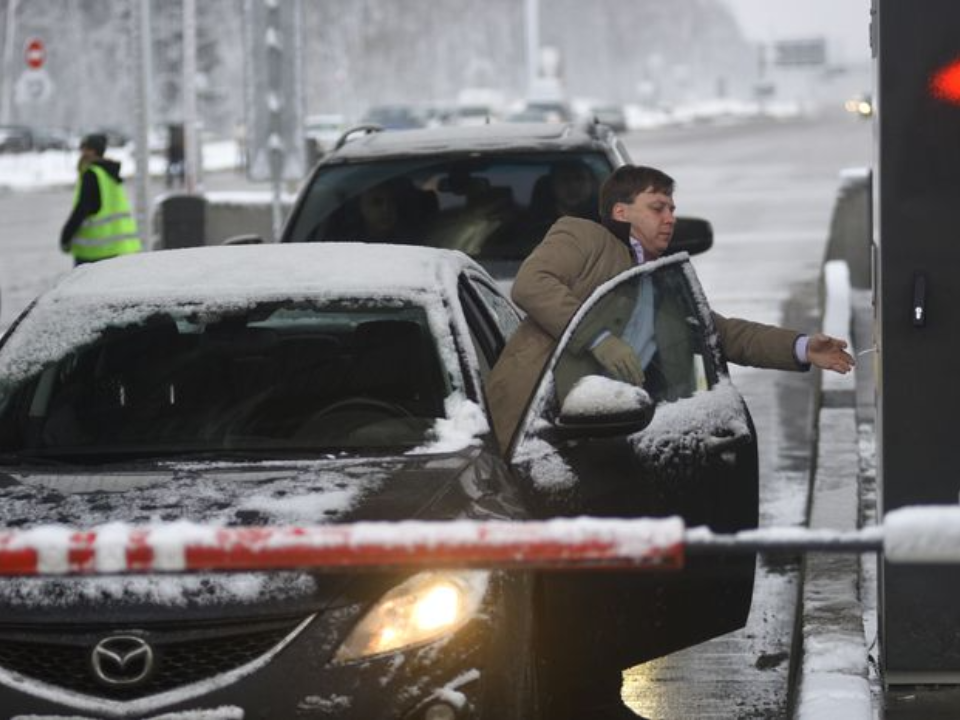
[[110, 231]]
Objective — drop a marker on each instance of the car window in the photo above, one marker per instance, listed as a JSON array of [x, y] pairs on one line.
[[492, 207], [503, 313], [278, 376], [491, 320], [656, 314]]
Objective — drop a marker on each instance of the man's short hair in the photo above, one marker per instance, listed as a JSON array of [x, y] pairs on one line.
[[96, 142], [628, 181]]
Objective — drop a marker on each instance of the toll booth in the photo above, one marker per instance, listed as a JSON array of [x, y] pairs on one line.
[[916, 214]]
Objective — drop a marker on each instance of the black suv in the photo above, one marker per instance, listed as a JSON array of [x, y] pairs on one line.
[[491, 191]]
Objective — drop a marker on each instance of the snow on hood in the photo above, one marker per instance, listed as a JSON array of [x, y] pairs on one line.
[[307, 492], [303, 493]]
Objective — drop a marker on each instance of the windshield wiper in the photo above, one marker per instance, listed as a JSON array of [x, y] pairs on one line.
[[11, 459]]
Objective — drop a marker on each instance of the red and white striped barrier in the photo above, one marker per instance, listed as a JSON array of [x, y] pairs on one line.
[[929, 534], [187, 547]]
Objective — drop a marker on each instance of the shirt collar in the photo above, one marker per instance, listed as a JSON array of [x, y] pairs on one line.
[[637, 250]]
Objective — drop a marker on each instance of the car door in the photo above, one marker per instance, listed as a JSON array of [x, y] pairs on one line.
[[696, 458]]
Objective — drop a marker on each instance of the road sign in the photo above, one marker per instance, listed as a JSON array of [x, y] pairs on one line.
[[35, 53], [799, 53], [33, 87]]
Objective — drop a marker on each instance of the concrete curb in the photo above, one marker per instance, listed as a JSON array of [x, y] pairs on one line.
[[834, 673]]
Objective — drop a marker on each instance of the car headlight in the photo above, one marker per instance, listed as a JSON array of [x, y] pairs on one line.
[[425, 607]]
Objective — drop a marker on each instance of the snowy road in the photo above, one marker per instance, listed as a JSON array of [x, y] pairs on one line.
[[768, 189]]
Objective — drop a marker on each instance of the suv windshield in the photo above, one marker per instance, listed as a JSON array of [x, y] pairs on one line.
[[277, 376], [492, 207]]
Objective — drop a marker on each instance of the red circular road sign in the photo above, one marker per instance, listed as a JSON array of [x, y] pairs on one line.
[[35, 53]]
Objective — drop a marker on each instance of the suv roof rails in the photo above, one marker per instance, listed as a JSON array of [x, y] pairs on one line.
[[366, 129], [597, 129]]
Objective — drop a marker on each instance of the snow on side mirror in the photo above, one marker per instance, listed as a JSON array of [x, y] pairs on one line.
[[598, 406]]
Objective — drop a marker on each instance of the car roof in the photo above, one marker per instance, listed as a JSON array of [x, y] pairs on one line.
[[270, 270], [509, 137]]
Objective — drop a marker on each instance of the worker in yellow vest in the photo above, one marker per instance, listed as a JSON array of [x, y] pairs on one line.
[[101, 225]]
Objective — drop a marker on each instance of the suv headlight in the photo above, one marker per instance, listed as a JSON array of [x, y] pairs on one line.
[[425, 607]]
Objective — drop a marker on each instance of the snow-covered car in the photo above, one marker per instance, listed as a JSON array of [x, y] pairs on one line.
[[15, 139], [303, 384], [491, 191]]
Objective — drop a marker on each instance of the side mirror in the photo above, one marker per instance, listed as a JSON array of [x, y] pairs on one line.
[[691, 235], [598, 406], [244, 240]]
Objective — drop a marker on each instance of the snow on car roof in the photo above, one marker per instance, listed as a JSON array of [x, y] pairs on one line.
[[264, 270], [458, 138], [130, 288]]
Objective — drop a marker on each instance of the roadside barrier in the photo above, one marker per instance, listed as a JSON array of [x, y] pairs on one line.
[[188, 547], [928, 534]]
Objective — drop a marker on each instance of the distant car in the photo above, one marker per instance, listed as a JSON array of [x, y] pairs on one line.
[[15, 139], [53, 138], [322, 132], [115, 136], [393, 117], [555, 111], [611, 115], [490, 191], [861, 105], [471, 115], [300, 384]]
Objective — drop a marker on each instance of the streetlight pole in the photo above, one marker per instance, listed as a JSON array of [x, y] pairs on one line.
[[8, 71], [143, 64], [531, 9], [191, 154]]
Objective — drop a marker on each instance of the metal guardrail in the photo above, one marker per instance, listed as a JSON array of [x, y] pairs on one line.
[[928, 534]]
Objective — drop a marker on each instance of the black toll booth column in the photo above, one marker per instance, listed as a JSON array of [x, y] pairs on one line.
[[916, 44]]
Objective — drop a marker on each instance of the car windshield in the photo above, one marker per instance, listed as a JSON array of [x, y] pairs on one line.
[[490, 207], [280, 377]]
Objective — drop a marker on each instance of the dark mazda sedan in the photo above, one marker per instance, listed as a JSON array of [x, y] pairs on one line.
[[331, 383]]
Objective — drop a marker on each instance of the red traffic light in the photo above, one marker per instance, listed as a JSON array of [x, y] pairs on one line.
[[945, 83]]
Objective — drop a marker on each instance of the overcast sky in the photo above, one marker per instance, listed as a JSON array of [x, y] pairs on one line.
[[844, 23]]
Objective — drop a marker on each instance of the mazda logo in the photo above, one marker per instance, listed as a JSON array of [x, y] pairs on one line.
[[122, 660]]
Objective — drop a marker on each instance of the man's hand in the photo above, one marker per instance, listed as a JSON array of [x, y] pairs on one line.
[[619, 359], [828, 353]]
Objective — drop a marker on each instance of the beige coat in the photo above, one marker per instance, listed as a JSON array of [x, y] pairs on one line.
[[574, 258]]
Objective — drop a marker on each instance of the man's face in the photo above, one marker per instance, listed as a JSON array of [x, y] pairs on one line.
[[652, 220], [87, 156], [379, 209]]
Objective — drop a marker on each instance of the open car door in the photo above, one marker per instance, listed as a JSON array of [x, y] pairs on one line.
[[580, 451]]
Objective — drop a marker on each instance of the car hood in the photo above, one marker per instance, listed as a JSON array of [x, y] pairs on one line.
[[464, 484]]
